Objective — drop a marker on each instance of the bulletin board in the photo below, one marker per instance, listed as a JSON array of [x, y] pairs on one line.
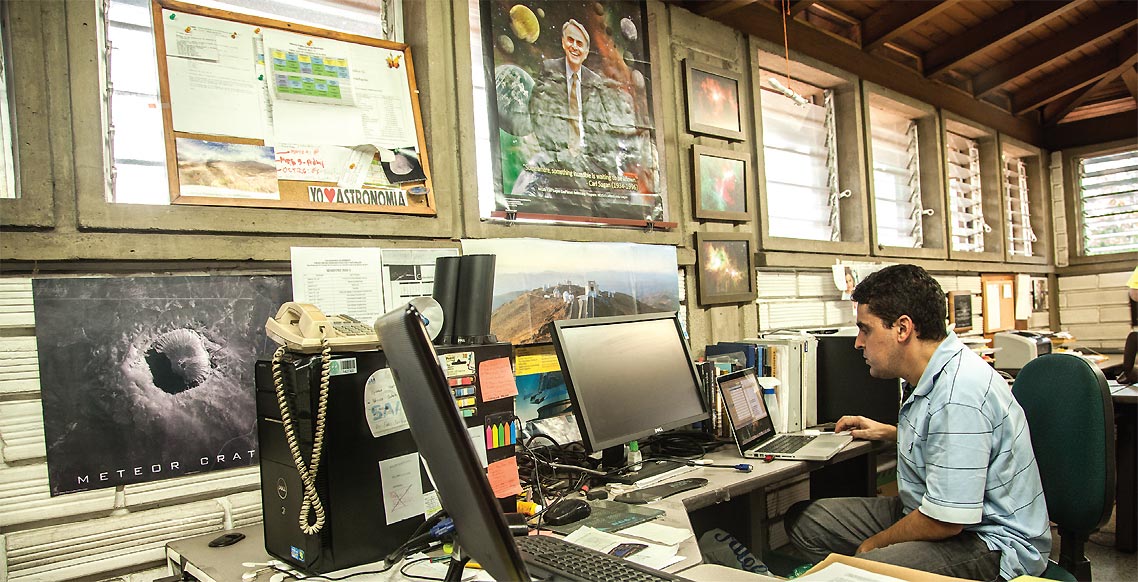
[[270, 114]]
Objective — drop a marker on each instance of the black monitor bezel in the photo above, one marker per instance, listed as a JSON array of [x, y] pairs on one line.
[[441, 436], [581, 412]]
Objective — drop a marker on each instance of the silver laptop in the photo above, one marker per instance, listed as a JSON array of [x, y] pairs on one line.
[[754, 431]]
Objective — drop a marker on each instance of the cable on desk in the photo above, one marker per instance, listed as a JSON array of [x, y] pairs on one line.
[[403, 570]]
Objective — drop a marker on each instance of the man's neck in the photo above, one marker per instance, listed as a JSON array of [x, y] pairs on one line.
[[918, 359]]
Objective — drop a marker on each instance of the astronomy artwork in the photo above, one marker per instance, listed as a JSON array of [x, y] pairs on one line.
[[537, 282], [726, 271], [148, 378], [712, 101], [572, 125], [720, 183]]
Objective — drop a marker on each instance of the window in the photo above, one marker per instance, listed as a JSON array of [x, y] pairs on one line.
[[134, 133], [1108, 202], [1021, 237], [966, 203], [800, 153], [7, 154]]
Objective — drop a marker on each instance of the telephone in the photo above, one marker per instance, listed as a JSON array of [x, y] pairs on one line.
[[302, 327]]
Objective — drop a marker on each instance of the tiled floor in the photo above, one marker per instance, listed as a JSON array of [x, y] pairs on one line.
[[1107, 563]]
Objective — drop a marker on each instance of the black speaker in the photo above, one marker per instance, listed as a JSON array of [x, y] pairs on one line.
[[445, 291], [475, 300]]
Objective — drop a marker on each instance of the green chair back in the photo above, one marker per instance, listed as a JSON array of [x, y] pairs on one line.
[[1071, 419]]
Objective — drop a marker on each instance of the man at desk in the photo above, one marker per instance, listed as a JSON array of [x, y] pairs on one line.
[[970, 499]]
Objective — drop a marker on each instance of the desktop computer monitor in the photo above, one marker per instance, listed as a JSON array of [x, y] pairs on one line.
[[845, 386], [445, 445], [628, 376]]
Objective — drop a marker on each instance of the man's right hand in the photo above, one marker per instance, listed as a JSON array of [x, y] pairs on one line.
[[861, 427]]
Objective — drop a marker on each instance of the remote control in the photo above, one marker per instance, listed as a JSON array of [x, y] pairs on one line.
[[656, 492]]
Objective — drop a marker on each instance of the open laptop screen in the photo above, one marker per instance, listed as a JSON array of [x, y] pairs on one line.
[[745, 407]]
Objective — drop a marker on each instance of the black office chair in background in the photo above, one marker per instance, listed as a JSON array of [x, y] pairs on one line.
[[1071, 417]]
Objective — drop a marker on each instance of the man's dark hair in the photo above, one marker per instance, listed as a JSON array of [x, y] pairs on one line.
[[905, 290]]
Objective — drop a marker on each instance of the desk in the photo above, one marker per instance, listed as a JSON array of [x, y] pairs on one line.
[[193, 556], [1126, 456]]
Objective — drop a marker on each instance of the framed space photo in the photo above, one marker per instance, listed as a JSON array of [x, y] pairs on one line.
[[712, 101], [726, 267], [720, 183], [960, 310]]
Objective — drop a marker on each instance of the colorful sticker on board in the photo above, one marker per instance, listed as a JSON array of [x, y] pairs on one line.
[[458, 364], [366, 196]]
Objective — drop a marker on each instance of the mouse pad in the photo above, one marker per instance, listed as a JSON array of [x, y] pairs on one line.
[[609, 516]]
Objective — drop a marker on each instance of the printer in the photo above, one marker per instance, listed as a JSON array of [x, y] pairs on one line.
[[1014, 349]]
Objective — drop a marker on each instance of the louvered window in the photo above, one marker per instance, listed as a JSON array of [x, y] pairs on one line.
[[1108, 197], [801, 169], [134, 134], [7, 154], [1018, 208], [967, 225], [896, 180]]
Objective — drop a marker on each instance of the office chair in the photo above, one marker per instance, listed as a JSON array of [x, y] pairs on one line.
[[1071, 418]]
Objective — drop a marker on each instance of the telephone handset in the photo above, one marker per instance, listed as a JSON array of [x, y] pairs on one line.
[[302, 327]]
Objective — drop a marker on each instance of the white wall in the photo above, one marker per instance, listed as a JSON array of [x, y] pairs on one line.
[[1094, 309]]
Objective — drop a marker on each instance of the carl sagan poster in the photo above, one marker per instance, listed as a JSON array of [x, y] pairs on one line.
[[572, 124], [150, 378]]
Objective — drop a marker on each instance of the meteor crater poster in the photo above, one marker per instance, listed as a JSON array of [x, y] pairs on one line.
[[148, 378]]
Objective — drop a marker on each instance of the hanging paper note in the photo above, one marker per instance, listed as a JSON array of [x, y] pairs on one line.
[[382, 408], [403, 487], [497, 379], [503, 476]]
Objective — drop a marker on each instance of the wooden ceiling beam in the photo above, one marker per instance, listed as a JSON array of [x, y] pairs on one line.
[[1021, 17], [1130, 79], [800, 5], [1096, 130], [1088, 70], [717, 8], [1127, 54], [813, 43], [1048, 50], [896, 18]]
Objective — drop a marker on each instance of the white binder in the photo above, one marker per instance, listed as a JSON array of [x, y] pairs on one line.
[[794, 359]]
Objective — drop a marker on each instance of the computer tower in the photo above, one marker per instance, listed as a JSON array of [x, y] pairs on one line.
[[845, 386], [348, 482]]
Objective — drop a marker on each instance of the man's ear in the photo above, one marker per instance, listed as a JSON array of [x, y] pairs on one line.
[[904, 328]]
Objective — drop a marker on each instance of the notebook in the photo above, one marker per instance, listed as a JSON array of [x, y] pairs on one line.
[[754, 431]]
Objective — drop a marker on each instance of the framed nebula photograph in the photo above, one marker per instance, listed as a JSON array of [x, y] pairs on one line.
[[726, 268], [720, 183], [713, 101]]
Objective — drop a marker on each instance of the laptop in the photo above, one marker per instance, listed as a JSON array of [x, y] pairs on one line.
[[754, 430]]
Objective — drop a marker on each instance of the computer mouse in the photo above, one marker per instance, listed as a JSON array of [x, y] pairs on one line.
[[567, 511]]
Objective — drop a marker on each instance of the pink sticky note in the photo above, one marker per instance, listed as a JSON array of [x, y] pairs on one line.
[[496, 379], [503, 476]]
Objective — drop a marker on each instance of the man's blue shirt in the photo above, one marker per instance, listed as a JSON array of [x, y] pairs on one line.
[[964, 456]]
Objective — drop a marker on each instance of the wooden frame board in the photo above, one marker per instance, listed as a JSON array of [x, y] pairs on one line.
[[707, 89], [726, 266], [239, 161], [721, 184]]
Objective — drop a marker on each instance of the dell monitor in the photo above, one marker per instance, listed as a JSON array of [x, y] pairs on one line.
[[444, 444], [629, 377]]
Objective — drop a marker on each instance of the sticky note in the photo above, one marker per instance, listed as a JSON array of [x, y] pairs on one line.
[[496, 379], [503, 477]]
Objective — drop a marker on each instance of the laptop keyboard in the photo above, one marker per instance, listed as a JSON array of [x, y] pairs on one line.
[[572, 562], [785, 444]]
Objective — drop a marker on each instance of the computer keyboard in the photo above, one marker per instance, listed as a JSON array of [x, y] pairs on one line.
[[569, 561], [785, 444]]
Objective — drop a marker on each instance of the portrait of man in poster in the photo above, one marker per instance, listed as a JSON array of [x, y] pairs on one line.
[[575, 130]]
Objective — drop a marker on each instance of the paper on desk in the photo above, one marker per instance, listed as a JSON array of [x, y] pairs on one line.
[[654, 556], [496, 379], [664, 534], [838, 572], [657, 562]]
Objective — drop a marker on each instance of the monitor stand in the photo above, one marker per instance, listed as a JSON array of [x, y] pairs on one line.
[[648, 472]]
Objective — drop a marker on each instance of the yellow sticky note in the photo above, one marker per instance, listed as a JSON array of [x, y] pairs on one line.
[[535, 360]]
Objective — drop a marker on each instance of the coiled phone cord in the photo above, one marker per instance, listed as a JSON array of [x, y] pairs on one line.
[[307, 472]]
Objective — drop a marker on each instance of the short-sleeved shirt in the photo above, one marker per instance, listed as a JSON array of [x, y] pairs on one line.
[[964, 456]]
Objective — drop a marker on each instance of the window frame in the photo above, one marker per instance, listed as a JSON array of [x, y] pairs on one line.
[[36, 81], [932, 176], [991, 189], [92, 164], [1070, 165], [849, 119], [1039, 201]]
